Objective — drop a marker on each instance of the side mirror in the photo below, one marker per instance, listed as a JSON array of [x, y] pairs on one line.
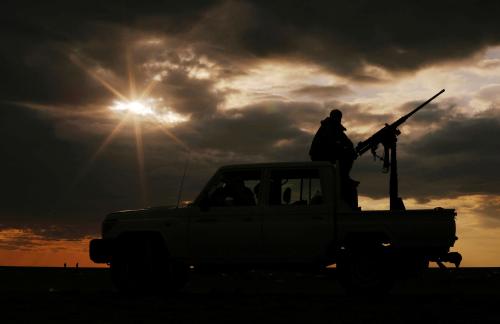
[[287, 195]]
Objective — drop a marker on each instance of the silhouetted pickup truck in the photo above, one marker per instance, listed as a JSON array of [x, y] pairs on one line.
[[273, 216]]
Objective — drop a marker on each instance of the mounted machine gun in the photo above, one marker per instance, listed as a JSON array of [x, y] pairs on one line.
[[387, 136]]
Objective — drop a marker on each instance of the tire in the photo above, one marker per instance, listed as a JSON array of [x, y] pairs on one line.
[[365, 271], [127, 266], [143, 266], [412, 265]]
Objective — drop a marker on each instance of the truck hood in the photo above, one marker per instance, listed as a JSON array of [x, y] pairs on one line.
[[150, 212]]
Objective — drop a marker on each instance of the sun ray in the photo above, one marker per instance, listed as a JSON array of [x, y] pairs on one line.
[[83, 170], [109, 139], [140, 161], [94, 75], [175, 138], [59, 111], [147, 90], [131, 76]]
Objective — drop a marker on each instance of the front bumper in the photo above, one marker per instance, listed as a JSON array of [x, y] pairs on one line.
[[101, 250]]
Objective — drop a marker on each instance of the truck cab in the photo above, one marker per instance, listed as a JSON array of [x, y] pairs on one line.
[[288, 203]]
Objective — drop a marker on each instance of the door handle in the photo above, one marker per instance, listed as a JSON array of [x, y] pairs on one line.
[[318, 217], [248, 219], [206, 220]]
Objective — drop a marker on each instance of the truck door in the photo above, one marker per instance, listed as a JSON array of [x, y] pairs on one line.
[[226, 228], [298, 221]]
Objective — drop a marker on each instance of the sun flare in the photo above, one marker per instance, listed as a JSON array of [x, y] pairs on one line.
[[150, 108], [136, 107], [143, 108]]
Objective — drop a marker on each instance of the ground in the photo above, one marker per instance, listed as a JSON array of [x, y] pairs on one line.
[[57, 295]]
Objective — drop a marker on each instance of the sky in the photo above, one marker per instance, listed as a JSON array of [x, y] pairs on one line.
[[102, 105]]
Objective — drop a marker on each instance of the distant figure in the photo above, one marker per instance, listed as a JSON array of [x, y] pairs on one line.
[[64, 265], [77, 265], [332, 144]]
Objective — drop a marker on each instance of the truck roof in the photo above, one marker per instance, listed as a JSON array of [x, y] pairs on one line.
[[298, 164]]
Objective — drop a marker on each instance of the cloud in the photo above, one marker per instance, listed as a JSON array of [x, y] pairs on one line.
[[488, 210], [351, 39], [322, 91], [490, 93], [253, 130], [361, 42], [34, 160], [40, 167], [224, 33], [489, 63], [189, 95]]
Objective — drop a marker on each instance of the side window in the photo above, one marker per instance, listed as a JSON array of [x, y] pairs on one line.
[[240, 188], [295, 187]]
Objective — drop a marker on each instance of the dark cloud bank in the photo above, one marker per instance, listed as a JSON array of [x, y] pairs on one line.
[[42, 154]]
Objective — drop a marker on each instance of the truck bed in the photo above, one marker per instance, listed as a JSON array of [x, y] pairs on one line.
[[423, 228]]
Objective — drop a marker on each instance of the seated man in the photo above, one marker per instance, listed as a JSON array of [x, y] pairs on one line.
[[317, 199], [241, 195], [332, 144], [232, 193]]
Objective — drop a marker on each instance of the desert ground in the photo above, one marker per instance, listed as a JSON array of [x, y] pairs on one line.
[[58, 295]]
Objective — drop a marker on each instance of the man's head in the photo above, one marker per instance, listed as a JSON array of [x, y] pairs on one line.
[[235, 182], [336, 115]]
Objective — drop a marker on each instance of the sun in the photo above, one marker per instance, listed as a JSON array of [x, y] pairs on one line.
[[150, 108], [133, 106]]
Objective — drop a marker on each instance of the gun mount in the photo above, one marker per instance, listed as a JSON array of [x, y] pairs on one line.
[[387, 136]]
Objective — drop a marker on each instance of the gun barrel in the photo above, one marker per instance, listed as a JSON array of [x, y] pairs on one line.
[[376, 138], [405, 117]]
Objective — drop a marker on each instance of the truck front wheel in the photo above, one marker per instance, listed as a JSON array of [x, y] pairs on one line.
[[365, 271], [142, 265]]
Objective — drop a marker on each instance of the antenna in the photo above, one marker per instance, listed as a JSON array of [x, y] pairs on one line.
[[182, 182]]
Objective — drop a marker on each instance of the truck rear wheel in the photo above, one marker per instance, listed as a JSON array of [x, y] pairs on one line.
[[365, 271], [142, 265]]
